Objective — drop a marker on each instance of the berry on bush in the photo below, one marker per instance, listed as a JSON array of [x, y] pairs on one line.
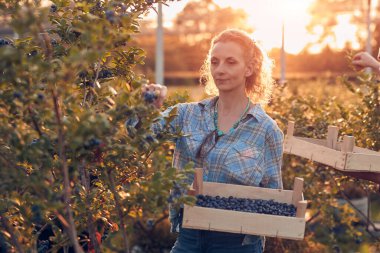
[[150, 96], [17, 94], [4, 42], [110, 16], [32, 53], [53, 8]]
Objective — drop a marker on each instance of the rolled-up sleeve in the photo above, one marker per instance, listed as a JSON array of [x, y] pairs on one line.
[[273, 152], [160, 123]]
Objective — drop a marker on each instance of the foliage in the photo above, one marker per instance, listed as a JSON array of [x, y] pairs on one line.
[[331, 226], [67, 88]]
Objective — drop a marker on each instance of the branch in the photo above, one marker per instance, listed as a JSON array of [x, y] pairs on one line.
[[71, 231], [90, 219], [35, 124], [119, 210]]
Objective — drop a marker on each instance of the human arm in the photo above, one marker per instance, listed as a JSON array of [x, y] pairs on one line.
[[364, 59], [160, 123]]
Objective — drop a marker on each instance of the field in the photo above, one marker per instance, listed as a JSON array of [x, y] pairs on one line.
[[320, 88]]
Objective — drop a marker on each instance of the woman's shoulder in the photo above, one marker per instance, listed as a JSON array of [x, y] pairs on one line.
[[266, 122], [194, 106]]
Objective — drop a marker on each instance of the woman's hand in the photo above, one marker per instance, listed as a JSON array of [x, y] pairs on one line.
[[363, 59], [154, 93]]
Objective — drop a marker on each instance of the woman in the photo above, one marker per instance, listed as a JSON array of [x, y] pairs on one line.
[[229, 135]]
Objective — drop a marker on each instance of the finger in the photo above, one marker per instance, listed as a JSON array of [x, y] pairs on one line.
[[157, 86], [164, 91], [357, 57]]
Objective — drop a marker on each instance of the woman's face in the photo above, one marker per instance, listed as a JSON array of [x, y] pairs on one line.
[[228, 66]]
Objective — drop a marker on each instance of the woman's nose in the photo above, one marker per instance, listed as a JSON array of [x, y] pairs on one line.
[[220, 69]]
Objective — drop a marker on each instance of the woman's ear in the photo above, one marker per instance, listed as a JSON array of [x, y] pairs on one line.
[[249, 70]]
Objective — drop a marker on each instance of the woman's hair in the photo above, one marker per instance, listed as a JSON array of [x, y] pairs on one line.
[[259, 85]]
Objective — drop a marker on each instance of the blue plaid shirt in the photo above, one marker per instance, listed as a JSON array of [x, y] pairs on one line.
[[250, 155]]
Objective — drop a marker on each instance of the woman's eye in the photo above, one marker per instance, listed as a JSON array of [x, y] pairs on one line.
[[231, 62], [214, 62]]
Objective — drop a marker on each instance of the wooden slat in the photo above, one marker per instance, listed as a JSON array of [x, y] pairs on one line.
[[198, 181], [314, 152], [297, 190], [290, 130], [301, 209], [243, 222], [348, 144], [241, 191], [363, 162], [314, 141], [365, 151], [332, 136]]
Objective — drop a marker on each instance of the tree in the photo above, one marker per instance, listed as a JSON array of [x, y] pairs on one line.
[[325, 16], [67, 88], [188, 40]]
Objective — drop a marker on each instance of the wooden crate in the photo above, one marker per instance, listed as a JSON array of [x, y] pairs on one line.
[[342, 155], [196, 217]]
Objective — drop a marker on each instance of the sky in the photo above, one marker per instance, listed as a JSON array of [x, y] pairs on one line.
[[267, 16]]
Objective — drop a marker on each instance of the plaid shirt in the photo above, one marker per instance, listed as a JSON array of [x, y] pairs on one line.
[[250, 155]]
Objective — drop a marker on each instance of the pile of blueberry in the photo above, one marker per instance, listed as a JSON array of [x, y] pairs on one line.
[[246, 205]]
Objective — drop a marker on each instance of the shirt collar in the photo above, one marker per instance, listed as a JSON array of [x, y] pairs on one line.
[[256, 110]]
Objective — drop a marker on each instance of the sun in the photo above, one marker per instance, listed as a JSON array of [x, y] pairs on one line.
[[267, 18]]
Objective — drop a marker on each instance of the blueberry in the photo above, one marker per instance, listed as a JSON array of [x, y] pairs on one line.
[[32, 53], [89, 84], [83, 74], [150, 139], [150, 224], [4, 42], [104, 73], [53, 8], [40, 96], [93, 142], [17, 94], [149, 97], [110, 16], [76, 34], [53, 42]]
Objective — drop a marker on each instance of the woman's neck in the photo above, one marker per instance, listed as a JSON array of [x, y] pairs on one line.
[[232, 103]]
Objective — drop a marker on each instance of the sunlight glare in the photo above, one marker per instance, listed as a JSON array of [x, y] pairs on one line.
[[266, 18], [344, 32]]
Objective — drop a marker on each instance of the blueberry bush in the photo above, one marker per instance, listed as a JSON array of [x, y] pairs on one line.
[[331, 225], [69, 170]]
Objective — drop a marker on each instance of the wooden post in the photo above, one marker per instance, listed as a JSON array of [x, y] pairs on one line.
[[301, 209], [198, 181], [290, 131], [297, 190], [348, 144], [332, 136]]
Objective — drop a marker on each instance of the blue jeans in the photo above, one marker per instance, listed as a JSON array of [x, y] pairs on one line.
[[203, 241]]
